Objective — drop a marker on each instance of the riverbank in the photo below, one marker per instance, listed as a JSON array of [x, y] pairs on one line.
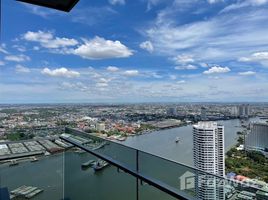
[[162, 142], [251, 164], [157, 126], [145, 128]]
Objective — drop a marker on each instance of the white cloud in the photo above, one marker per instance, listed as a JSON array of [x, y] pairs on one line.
[[17, 58], [119, 2], [60, 72], [185, 67], [41, 11], [204, 65], [217, 70], [181, 82], [244, 59], [112, 69], [255, 57], [73, 86], [173, 77], [2, 49], [101, 85], [183, 59], [103, 80], [99, 48], [36, 48], [248, 73], [131, 73], [258, 2], [214, 77], [226, 36], [19, 48], [243, 4], [97, 89], [214, 1], [22, 69], [155, 75], [2, 63], [47, 40], [147, 45], [98, 15], [152, 3], [96, 48]]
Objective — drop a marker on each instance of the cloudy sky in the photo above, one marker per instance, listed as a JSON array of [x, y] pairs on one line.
[[135, 51]]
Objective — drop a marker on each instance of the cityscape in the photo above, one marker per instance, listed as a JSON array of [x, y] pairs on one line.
[[30, 133], [133, 100]]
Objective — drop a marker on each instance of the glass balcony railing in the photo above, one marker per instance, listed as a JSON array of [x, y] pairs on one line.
[[128, 176], [83, 182], [29, 178], [134, 174], [95, 168]]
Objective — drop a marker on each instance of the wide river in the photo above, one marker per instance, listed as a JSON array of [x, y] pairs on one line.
[[61, 174], [163, 142]]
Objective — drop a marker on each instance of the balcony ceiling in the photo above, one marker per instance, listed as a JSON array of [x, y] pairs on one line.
[[63, 5]]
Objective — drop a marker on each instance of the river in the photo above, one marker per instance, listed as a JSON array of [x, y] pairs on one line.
[[162, 142]]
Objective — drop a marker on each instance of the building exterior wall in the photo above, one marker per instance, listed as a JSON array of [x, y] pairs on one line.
[[257, 139]]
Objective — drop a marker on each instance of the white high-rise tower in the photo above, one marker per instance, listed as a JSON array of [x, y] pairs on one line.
[[208, 139]]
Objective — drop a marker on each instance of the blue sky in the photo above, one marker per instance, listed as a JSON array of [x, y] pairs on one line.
[[135, 51]]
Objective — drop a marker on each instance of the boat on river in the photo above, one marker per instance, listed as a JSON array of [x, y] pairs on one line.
[[177, 140], [13, 163], [87, 164], [99, 165]]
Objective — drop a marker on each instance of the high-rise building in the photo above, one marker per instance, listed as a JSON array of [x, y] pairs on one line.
[[244, 111], [234, 111], [257, 139], [172, 111], [208, 149], [203, 113]]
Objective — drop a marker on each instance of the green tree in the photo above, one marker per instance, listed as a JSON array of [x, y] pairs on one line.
[[240, 140]]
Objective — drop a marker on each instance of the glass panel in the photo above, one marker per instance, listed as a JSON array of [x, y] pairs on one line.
[[179, 177], [120, 153], [40, 177], [83, 182], [186, 181], [148, 192]]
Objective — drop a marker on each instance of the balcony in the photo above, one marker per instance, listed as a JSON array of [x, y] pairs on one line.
[[127, 173]]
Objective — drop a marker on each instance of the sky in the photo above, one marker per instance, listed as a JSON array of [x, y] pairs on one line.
[[109, 51]]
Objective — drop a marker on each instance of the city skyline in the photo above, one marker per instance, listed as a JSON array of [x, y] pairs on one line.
[[142, 51]]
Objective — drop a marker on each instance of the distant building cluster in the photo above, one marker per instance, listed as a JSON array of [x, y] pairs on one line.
[[241, 111]]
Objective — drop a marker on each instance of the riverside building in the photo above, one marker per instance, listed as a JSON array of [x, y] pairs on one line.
[[257, 139]]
